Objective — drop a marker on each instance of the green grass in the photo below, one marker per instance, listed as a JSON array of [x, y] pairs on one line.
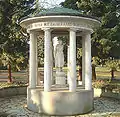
[[14, 84], [101, 73], [104, 72], [101, 69]]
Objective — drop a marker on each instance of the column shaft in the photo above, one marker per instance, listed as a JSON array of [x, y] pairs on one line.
[[51, 61], [88, 69], [33, 60], [68, 64], [72, 80], [83, 61], [47, 61]]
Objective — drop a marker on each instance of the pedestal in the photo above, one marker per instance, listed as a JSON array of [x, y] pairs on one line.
[[60, 78], [80, 83]]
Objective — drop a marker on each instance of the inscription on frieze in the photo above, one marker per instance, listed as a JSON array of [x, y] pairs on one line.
[[60, 24]]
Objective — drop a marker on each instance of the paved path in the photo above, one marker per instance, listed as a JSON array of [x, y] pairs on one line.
[[15, 107]]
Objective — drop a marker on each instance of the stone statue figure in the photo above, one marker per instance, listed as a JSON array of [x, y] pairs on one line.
[[59, 55], [59, 63]]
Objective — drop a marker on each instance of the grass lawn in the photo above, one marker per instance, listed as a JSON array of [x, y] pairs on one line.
[[101, 72], [22, 77]]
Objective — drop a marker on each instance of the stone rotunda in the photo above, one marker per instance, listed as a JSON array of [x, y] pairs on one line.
[[69, 100]]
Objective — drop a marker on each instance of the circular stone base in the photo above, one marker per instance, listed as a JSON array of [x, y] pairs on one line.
[[60, 102]]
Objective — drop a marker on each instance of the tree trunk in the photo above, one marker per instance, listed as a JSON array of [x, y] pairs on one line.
[[112, 74], [80, 73], [9, 73], [93, 72]]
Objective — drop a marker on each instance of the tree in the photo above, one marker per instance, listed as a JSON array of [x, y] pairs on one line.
[[112, 65], [13, 44], [105, 39], [93, 68], [70, 4]]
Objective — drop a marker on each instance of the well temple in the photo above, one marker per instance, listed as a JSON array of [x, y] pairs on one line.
[[54, 100]]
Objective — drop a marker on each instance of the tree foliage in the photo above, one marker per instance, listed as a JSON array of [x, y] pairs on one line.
[[40, 48], [13, 39], [14, 43], [106, 39], [70, 4]]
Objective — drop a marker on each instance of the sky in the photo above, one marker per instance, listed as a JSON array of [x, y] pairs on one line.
[[50, 3]]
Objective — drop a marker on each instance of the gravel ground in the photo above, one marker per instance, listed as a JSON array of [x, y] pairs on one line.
[[15, 107]]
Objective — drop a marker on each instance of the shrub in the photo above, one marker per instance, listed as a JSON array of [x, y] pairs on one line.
[[99, 83]]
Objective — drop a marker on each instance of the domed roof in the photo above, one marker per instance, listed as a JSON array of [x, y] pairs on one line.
[[59, 11]]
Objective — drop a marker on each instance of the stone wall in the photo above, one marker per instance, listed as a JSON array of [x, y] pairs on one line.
[[13, 91]]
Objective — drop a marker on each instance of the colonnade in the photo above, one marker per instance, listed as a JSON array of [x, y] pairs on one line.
[[86, 60]]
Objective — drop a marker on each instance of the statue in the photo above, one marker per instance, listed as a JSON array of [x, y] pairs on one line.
[[59, 56], [59, 63]]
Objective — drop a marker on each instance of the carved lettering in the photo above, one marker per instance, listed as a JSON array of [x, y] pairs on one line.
[[60, 24]]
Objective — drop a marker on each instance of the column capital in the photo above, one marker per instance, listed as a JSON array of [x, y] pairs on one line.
[[31, 31], [73, 29], [86, 32]]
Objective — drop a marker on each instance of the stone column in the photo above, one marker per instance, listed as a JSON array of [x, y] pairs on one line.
[[33, 60], [47, 61], [88, 69], [73, 75], [68, 64], [51, 61], [83, 61]]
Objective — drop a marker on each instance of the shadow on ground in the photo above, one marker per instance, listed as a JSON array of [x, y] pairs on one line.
[[2, 114]]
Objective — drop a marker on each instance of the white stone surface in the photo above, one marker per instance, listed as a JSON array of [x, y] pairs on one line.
[[15, 107], [88, 67], [80, 83], [68, 64], [59, 55], [59, 64], [81, 23], [33, 60], [60, 102], [73, 74], [47, 62], [60, 78]]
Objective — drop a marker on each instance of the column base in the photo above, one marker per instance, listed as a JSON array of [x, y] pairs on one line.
[[60, 102]]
